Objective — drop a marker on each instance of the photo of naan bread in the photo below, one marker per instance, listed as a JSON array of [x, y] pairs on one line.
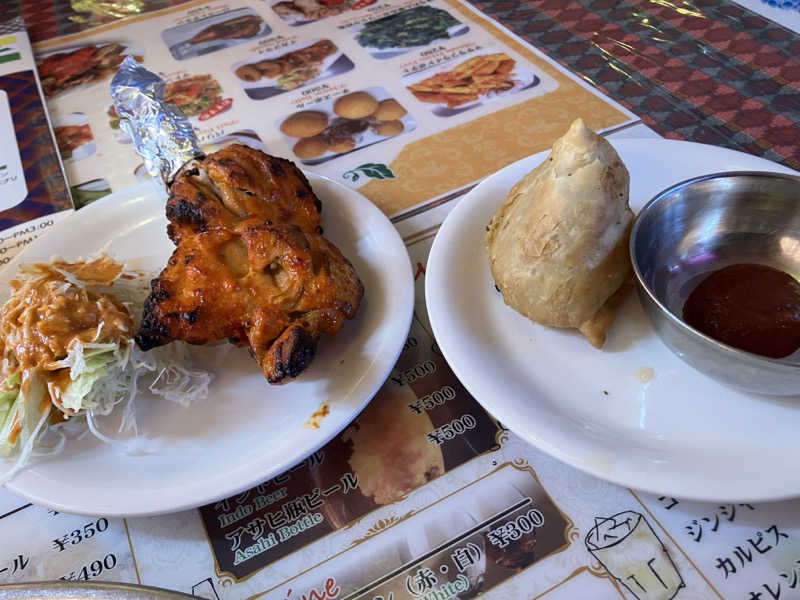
[[391, 455], [558, 244]]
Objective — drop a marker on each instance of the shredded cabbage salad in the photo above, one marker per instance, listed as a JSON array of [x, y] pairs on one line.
[[102, 377]]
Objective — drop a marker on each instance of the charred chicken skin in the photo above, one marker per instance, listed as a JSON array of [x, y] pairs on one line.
[[235, 183], [251, 264]]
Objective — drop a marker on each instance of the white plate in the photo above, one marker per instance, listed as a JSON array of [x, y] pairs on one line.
[[680, 434], [247, 431]]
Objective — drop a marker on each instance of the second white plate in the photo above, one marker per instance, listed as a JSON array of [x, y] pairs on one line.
[[680, 433], [247, 430]]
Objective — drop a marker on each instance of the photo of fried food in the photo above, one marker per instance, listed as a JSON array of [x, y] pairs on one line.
[[242, 27], [304, 123], [291, 69], [389, 110], [251, 264], [193, 94], [558, 244], [64, 70], [471, 79], [310, 147], [355, 105], [351, 121]]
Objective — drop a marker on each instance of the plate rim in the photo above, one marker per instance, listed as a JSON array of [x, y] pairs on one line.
[[468, 377], [401, 322]]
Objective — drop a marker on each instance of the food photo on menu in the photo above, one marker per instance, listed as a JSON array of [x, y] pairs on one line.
[[66, 68], [408, 30], [348, 123], [74, 137], [214, 33], [283, 71], [463, 84], [88, 191], [300, 12], [399, 300]]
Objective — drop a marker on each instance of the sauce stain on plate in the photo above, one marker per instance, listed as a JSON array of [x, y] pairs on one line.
[[322, 411], [645, 374]]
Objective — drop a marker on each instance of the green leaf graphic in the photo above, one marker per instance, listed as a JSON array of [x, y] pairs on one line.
[[373, 170]]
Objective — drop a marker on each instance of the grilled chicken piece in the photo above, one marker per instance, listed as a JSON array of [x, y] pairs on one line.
[[250, 265]]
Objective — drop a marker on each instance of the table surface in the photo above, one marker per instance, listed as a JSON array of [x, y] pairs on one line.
[[711, 71]]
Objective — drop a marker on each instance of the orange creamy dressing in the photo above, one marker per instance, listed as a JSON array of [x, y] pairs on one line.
[[47, 314]]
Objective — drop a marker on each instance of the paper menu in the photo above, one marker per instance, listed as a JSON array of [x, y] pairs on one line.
[[33, 191], [247, 88], [476, 511], [466, 508]]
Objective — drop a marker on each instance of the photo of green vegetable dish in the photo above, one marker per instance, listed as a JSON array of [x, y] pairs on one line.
[[418, 26]]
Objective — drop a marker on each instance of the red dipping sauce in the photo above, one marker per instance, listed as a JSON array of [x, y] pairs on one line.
[[751, 307]]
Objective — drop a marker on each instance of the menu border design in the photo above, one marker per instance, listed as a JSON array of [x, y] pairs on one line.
[[585, 569], [571, 533]]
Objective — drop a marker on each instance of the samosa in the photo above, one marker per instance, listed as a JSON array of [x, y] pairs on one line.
[[558, 244]]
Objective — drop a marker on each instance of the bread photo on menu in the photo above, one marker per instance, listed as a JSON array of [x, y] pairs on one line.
[[558, 244], [391, 454], [387, 451]]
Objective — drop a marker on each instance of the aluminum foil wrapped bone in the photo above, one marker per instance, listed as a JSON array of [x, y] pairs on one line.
[[160, 131]]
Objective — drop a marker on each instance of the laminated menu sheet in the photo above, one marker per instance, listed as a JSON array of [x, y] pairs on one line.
[[33, 190], [406, 101], [424, 495]]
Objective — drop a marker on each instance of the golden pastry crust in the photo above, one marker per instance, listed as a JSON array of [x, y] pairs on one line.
[[355, 105], [388, 128], [389, 110], [558, 244], [311, 147]]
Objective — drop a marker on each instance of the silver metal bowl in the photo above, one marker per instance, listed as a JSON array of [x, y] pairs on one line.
[[699, 226]]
